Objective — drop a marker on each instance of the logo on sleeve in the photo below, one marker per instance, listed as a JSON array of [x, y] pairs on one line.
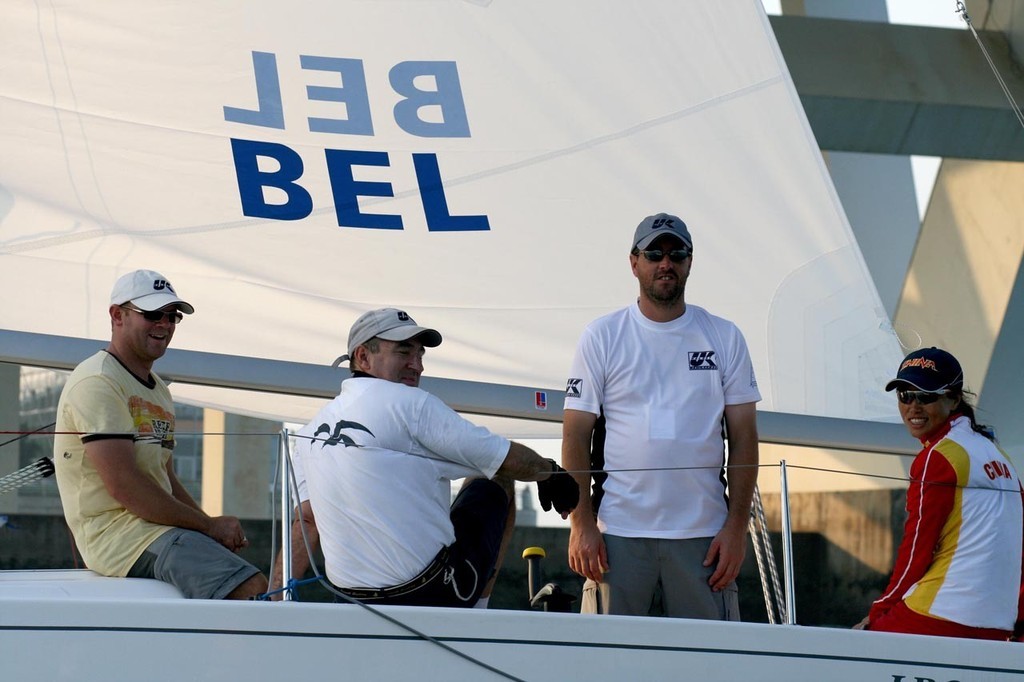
[[702, 359], [572, 388]]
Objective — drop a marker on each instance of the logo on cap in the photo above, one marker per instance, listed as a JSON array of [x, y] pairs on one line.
[[660, 222], [161, 284], [403, 316], [923, 363]]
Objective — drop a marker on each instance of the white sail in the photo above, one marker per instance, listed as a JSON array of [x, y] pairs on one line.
[[151, 135]]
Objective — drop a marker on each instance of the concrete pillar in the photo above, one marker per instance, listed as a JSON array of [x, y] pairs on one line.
[[965, 264], [212, 500], [964, 291], [249, 464], [239, 458], [1000, 405]]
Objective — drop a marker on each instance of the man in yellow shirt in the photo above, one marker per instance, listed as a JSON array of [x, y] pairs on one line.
[[128, 511]]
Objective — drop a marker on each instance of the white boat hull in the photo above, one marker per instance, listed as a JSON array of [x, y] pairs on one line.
[[73, 629]]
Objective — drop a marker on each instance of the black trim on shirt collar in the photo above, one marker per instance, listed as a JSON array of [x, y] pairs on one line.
[[356, 374], [149, 383]]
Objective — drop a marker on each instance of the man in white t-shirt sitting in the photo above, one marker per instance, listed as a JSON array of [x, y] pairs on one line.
[[652, 389], [379, 460]]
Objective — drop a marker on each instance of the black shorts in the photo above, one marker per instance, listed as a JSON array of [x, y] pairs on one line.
[[459, 572]]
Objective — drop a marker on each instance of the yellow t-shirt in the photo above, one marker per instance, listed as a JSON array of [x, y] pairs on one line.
[[102, 399]]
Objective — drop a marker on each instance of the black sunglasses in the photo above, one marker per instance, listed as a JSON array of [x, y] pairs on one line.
[[173, 316], [923, 397], [676, 255]]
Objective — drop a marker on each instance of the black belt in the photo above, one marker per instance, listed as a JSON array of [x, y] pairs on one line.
[[433, 569]]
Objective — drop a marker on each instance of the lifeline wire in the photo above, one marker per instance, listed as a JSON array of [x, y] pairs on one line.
[[24, 434]]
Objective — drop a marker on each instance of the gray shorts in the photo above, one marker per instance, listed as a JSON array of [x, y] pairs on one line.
[[196, 564], [649, 576]]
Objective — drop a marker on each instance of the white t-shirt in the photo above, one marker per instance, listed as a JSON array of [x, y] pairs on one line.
[[379, 474], [662, 387]]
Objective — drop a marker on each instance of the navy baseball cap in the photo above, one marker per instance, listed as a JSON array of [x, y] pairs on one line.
[[928, 369], [653, 226]]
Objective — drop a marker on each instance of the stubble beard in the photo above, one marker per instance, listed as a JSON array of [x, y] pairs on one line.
[[665, 298]]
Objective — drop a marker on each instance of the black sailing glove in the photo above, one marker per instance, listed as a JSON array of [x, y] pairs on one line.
[[559, 489]]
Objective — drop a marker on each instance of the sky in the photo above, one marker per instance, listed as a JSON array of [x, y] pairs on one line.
[[915, 12]]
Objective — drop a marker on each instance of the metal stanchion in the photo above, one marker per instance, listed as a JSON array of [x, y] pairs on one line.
[[286, 516], [787, 548]]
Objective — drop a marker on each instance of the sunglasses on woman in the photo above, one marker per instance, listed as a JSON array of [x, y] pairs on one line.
[[922, 397]]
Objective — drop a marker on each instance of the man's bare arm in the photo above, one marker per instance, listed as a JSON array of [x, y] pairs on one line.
[[114, 460], [730, 545], [587, 555], [300, 557]]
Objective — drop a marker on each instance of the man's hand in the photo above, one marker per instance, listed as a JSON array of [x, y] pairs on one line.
[[560, 490], [587, 553], [862, 625], [227, 530], [727, 549]]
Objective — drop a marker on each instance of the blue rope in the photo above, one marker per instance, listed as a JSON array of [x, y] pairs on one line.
[[292, 585]]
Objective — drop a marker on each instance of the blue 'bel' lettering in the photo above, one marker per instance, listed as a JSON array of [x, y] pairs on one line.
[[270, 111], [345, 189], [251, 180], [352, 93]]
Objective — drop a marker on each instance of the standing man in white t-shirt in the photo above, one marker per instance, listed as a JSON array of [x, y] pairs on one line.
[[655, 391], [379, 460]]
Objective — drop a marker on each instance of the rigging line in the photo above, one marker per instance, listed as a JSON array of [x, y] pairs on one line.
[[327, 584], [902, 479], [864, 474], [961, 9], [23, 434], [39, 431]]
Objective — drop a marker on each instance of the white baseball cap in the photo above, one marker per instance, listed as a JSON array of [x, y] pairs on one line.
[[147, 290]]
